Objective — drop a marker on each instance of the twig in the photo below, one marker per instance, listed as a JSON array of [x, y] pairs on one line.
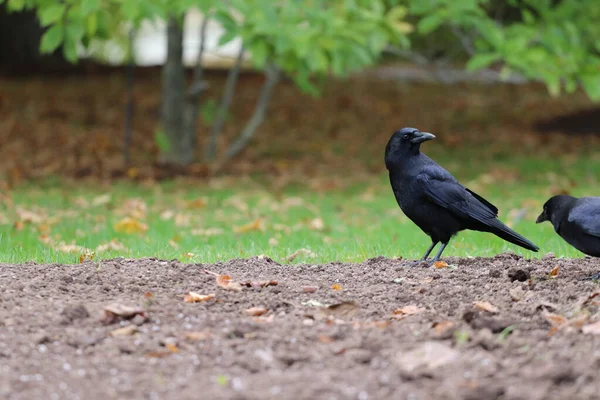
[[465, 40], [217, 127]]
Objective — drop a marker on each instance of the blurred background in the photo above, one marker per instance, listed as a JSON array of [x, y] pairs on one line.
[[209, 130]]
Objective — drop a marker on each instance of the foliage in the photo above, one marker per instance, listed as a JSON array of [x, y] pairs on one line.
[[301, 38], [556, 43]]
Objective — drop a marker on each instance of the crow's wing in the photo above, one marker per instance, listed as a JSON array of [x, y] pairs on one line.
[[441, 188], [586, 214]]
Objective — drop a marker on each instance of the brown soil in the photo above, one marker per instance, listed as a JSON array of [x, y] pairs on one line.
[[55, 341]]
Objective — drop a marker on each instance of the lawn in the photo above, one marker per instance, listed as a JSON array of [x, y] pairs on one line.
[[223, 218]]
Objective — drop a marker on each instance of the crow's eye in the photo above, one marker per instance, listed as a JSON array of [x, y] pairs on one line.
[[405, 137]]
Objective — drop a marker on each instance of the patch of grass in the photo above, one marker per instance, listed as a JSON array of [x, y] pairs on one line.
[[360, 220]]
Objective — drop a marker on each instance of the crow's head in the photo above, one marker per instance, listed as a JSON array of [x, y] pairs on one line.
[[555, 209], [404, 142]]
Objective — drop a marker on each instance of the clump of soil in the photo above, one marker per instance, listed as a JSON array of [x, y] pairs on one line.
[[475, 329]]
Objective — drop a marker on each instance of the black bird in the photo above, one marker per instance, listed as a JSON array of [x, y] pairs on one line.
[[434, 200], [575, 220]]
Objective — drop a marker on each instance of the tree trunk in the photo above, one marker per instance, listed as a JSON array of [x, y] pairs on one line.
[[173, 99]]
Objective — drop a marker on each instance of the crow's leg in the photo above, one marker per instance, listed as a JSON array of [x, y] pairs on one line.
[[433, 243], [439, 254]]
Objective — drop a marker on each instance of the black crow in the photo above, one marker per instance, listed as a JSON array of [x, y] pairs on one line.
[[575, 220], [434, 200]]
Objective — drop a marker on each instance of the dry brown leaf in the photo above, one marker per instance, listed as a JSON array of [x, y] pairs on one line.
[[336, 286], [591, 329], [71, 248], [101, 200], [117, 312], [125, 331], [440, 264], [443, 327], [194, 336], [590, 299], [256, 225], [86, 256], [555, 320], [130, 225], [193, 297], [255, 311], [298, 252], [172, 347], [316, 224], [264, 319], [408, 310], [554, 272], [486, 306], [258, 284], [112, 245], [345, 309], [273, 242], [326, 339], [225, 282], [197, 203]]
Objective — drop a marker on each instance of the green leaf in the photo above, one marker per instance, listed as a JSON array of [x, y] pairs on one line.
[[51, 14], [260, 52], [52, 39], [89, 6], [429, 23], [227, 37], [16, 5], [481, 61], [162, 141], [591, 85], [70, 50], [92, 24]]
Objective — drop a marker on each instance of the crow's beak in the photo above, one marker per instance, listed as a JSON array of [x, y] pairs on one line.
[[420, 137], [541, 218]]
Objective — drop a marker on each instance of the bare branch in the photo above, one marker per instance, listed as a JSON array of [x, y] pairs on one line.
[[273, 77], [128, 124], [465, 40], [198, 85], [217, 127]]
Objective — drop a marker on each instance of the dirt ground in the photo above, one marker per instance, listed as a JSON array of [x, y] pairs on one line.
[[481, 328]]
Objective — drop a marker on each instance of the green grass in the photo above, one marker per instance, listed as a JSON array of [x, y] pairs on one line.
[[361, 220]]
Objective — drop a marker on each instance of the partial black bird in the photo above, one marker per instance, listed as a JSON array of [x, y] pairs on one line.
[[576, 220], [434, 200]]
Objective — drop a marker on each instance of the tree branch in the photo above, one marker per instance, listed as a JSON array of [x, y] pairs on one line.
[[217, 126], [465, 40], [273, 77]]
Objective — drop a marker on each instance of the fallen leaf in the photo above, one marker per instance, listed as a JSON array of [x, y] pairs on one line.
[[197, 203], [345, 309], [225, 282], [316, 224], [443, 327], [336, 286], [298, 252], [117, 312], [207, 232], [255, 311], [555, 320], [256, 225], [172, 348], [125, 331], [101, 200], [193, 297], [554, 272], [86, 256], [71, 248], [130, 225], [158, 354], [196, 336], [264, 319], [486, 306], [440, 264], [257, 284], [400, 313], [112, 245], [326, 339]]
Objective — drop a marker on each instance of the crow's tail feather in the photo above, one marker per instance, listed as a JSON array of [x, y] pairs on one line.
[[504, 232]]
